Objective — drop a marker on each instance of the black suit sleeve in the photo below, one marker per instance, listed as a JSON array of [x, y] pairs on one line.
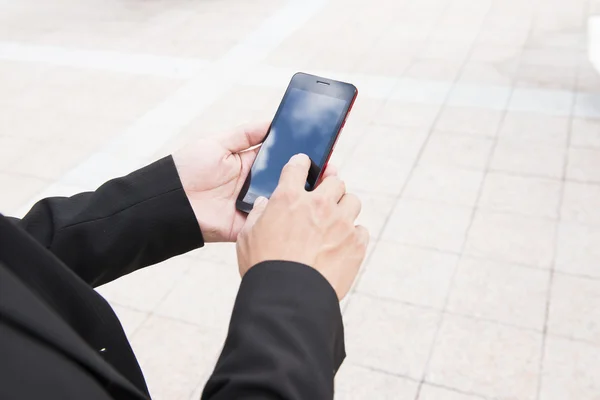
[[126, 224], [285, 340]]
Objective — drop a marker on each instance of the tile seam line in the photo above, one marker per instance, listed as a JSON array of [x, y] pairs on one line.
[[555, 239]]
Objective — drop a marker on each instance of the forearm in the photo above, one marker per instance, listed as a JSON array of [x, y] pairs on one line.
[[285, 340], [127, 223]]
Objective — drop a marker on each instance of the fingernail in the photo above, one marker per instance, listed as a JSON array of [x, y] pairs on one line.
[[299, 159]]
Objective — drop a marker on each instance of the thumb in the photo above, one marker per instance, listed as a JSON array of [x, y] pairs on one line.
[[260, 204]]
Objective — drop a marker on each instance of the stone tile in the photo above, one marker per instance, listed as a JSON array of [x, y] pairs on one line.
[[12, 148], [221, 253], [549, 57], [421, 91], [581, 203], [487, 73], [375, 211], [288, 55], [503, 37], [403, 114], [445, 50], [501, 292], [458, 150], [452, 33], [340, 58], [383, 159], [588, 80], [584, 165], [481, 357], [383, 58], [578, 249], [492, 97], [389, 336], [365, 109], [570, 370], [537, 197], [420, 223], [83, 134], [558, 40], [587, 105], [434, 69], [384, 176], [378, 63], [49, 160], [495, 54], [389, 142], [528, 158], [430, 392], [512, 238], [346, 144], [444, 185], [355, 383], [408, 274], [547, 77], [175, 357], [535, 127], [544, 101], [130, 319], [205, 297], [19, 190], [574, 308], [469, 120], [38, 127], [585, 133], [145, 289]]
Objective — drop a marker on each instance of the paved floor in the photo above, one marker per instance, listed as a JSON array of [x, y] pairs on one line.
[[475, 146]]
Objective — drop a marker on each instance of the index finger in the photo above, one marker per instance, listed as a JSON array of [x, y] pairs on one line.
[[295, 172]]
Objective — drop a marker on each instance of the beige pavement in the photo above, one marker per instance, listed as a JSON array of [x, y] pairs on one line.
[[474, 144]]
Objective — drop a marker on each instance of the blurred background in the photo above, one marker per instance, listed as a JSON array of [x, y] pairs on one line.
[[474, 145]]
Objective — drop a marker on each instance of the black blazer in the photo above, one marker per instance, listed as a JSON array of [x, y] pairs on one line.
[[59, 339]]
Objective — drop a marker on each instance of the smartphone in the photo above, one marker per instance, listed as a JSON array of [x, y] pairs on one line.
[[309, 119]]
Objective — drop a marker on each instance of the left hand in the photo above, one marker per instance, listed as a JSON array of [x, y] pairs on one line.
[[212, 172]]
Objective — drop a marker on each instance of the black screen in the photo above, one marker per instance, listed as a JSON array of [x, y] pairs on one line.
[[306, 123]]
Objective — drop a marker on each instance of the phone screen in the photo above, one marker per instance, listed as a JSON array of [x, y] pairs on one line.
[[306, 122]]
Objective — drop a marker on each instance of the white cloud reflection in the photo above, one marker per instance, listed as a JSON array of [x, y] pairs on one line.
[[311, 113], [263, 159]]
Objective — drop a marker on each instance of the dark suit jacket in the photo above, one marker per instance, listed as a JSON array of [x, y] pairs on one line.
[[59, 339]]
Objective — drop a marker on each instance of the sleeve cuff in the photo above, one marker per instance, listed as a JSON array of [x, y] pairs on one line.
[[162, 178], [307, 293]]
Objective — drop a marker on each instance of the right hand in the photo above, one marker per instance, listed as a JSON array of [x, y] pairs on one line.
[[313, 228]]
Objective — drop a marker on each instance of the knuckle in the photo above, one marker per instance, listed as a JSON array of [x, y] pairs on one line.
[[320, 200], [321, 206], [344, 226]]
